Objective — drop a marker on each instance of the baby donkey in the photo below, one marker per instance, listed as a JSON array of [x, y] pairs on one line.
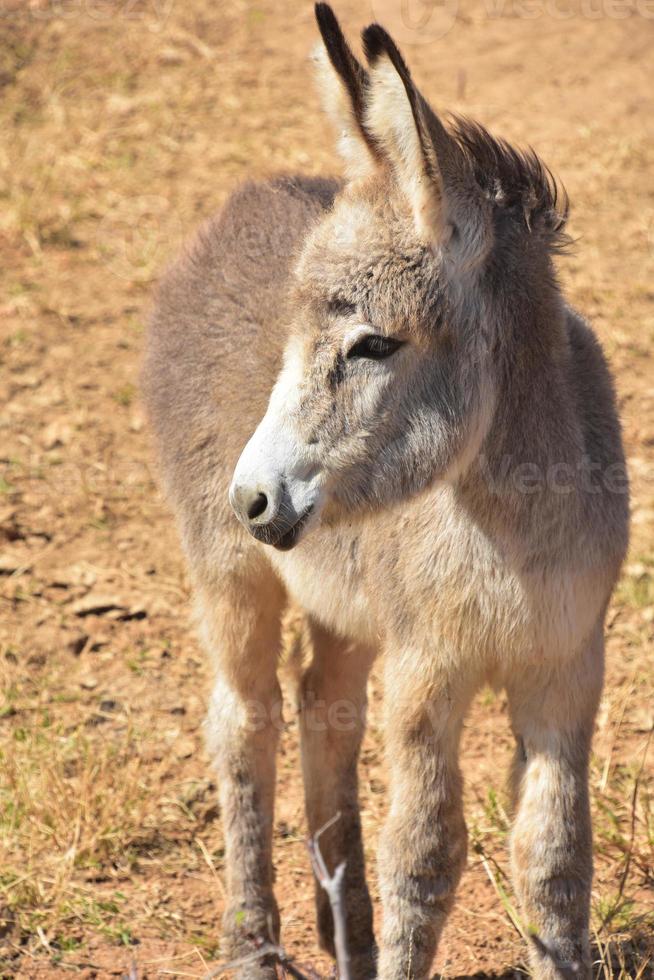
[[432, 471]]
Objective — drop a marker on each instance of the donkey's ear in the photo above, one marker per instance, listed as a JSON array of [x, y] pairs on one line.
[[428, 163], [342, 83], [394, 115]]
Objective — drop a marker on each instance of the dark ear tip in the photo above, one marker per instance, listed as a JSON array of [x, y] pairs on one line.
[[376, 41], [330, 29], [325, 15]]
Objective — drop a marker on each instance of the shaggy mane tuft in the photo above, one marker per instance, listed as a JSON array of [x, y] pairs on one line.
[[513, 178]]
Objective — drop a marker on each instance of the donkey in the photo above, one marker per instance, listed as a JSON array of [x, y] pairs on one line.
[[432, 471]]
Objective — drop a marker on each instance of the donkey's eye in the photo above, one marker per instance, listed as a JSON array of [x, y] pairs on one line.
[[374, 347]]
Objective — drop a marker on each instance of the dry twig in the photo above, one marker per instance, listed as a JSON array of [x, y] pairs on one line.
[[334, 886]]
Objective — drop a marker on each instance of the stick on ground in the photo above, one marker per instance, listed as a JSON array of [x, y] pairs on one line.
[[334, 885]]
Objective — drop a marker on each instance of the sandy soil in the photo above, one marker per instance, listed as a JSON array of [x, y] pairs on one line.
[[125, 123]]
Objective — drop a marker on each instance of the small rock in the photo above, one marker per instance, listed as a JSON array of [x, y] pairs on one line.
[[8, 564], [96, 720], [78, 643], [83, 574], [7, 514], [170, 56], [56, 434], [644, 720], [637, 570], [27, 381], [108, 704], [136, 421], [184, 748], [121, 105], [97, 604]]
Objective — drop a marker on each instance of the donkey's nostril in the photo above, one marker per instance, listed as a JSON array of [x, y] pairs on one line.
[[258, 506]]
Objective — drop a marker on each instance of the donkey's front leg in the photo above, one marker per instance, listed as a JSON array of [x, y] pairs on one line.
[[332, 702], [552, 712], [240, 625], [423, 845]]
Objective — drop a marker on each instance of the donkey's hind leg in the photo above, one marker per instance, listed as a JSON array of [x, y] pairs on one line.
[[332, 702], [552, 713], [240, 626]]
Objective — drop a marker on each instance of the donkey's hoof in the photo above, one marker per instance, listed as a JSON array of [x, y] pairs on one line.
[[247, 932], [245, 959], [263, 969]]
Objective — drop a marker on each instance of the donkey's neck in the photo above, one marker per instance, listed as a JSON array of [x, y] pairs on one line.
[[535, 442]]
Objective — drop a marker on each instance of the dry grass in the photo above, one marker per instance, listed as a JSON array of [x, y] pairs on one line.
[[81, 812], [125, 131], [623, 913], [83, 815]]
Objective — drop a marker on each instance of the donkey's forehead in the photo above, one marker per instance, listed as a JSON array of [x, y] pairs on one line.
[[369, 214], [365, 252], [356, 224]]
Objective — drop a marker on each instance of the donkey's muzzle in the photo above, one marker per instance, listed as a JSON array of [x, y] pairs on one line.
[[268, 514], [291, 537]]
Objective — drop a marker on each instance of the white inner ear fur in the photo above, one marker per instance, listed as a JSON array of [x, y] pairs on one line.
[[390, 118], [336, 103]]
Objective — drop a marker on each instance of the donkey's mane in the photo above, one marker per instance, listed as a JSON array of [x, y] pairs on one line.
[[512, 178]]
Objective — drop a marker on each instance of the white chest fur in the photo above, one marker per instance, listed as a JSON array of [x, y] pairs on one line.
[[324, 575]]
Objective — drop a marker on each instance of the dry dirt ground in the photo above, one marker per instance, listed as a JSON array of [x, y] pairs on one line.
[[123, 124]]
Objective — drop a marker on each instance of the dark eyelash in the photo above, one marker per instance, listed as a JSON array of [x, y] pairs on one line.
[[374, 347]]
